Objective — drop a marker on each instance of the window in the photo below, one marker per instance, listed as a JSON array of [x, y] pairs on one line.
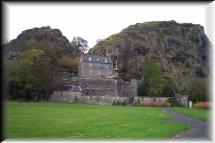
[[90, 71], [90, 65], [90, 59]]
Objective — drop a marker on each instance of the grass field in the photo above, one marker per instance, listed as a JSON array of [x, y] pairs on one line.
[[81, 121], [202, 114]]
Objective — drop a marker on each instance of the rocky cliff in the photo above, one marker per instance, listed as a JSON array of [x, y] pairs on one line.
[[180, 50], [45, 36]]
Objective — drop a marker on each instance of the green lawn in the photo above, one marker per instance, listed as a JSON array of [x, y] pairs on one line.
[[202, 114], [81, 121]]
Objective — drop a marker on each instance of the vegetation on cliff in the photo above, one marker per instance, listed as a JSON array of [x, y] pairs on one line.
[[156, 82], [31, 60], [180, 52], [167, 56]]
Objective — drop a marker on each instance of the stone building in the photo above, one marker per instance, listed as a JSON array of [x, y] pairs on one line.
[[98, 83], [93, 66], [98, 79]]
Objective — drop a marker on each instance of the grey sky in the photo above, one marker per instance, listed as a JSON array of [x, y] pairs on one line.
[[96, 21]]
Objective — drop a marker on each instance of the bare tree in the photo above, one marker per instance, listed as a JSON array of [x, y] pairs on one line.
[[81, 43]]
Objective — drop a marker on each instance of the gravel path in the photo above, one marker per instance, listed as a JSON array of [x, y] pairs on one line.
[[199, 130]]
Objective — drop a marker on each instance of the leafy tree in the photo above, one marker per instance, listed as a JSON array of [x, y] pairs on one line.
[[198, 90], [31, 76], [69, 63], [154, 79], [169, 89], [81, 43]]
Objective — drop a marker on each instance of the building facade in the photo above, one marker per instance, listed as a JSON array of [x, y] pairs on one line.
[[93, 66]]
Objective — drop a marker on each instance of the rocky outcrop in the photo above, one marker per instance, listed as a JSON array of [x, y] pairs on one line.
[[45, 36], [180, 50]]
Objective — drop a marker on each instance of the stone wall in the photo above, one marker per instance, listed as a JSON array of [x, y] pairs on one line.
[[72, 97], [105, 86], [77, 97], [95, 87], [151, 101], [109, 91], [64, 96], [127, 89]]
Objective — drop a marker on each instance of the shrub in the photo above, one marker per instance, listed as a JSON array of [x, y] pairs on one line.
[[117, 102], [76, 100], [202, 105]]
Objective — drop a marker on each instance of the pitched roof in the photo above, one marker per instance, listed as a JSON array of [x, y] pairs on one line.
[[97, 59]]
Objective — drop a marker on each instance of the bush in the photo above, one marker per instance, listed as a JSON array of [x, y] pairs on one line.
[[117, 102], [202, 105], [76, 100]]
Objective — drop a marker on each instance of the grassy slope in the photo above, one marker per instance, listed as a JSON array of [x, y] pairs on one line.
[[201, 114], [62, 120]]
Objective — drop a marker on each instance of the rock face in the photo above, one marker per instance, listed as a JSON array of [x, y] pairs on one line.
[[44, 36], [181, 50]]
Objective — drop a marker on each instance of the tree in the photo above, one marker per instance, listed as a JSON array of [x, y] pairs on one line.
[[156, 82], [81, 43], [31, 76], [169, 89], [154, 79], [69, 63], [198, 90]]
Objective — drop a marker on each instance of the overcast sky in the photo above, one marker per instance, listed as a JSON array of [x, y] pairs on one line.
[[96, 21]]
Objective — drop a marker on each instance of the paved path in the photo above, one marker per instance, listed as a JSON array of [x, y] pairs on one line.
[[199, 130]]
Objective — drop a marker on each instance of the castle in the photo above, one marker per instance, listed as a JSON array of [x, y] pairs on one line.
[[98, 83], [97, 79]]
